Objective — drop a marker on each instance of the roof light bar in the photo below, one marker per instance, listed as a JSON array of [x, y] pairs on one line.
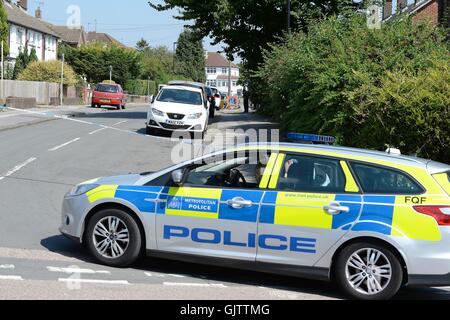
[[310, 138]]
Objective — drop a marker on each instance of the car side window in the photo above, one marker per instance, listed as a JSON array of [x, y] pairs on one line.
[[311, 174], [240, 172], [379, 180]]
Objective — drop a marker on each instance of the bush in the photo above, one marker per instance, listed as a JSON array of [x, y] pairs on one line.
[[140, 87], [48, 71], [369, 88]]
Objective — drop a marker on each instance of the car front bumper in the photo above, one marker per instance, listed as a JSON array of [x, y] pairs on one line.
[[74, 210], [189, 125]]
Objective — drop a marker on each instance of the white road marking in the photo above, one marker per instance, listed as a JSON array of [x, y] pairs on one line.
[[90, 123], [7, 266], [64, 145], [97, 131], [121, 282], [15, 278], [120, 122], [17, 168], [177, 276], [179, 284], [148, 274], [76, 270]]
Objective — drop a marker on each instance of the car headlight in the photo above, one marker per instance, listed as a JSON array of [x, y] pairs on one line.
[[82, 189], [195, 116], [156, 112]]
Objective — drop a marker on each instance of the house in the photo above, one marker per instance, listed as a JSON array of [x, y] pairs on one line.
[[217, 73], [431, 10], [74, 37], [29, 32], [104, 38]]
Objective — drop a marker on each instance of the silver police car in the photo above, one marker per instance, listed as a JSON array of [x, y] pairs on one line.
[[371, 221]]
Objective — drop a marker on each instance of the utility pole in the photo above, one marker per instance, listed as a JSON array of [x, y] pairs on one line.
[[148, 86], [289, 16], [110, 73]]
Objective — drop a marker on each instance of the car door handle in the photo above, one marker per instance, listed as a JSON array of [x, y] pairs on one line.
[[335, 208], [239, 203]]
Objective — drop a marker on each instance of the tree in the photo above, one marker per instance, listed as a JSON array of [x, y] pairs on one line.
[[157, 64], [369, 88], [94, 60], [48, 71], [247, 27], [23, 60], [190, 57], [142, 45], [4, 30]]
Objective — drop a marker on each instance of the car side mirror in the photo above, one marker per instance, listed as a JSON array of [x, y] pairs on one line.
[[178, 176], [152, 99]]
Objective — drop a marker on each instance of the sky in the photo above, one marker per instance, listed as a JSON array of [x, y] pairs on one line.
[[127, 21]]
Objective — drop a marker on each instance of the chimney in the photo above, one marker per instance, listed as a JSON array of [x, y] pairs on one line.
[[38, 13], [23, 4]]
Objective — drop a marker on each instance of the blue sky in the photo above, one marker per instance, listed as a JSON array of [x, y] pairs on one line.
[[127, 21]]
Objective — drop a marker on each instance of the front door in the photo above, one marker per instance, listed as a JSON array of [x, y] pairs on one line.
[[215, 212]]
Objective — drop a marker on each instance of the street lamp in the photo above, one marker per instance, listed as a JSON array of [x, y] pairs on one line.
[[174, 52]]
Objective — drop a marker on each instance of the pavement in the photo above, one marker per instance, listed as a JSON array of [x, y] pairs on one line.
[[44, 152]]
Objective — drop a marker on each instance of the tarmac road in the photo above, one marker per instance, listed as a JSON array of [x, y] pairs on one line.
[[41, 160]]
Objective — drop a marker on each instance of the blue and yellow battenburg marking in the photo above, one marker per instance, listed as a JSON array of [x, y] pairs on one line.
[[387, 215]]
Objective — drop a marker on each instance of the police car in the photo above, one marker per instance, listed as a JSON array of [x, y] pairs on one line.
[[370, 221]]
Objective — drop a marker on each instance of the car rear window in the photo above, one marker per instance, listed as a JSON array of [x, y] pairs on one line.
[[180, 96], [379, 180], [107, 88], [444, 181]]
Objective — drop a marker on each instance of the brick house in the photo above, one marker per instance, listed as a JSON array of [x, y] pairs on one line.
[[436, 11]]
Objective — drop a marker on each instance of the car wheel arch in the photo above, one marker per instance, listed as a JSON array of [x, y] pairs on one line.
[[119, 206], [373, 240]]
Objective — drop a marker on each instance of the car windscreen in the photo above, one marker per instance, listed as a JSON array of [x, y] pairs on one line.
[[180, 96], [107, 88]]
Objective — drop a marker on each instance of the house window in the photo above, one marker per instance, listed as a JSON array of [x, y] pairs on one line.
[[211, 70], [19, 37], [225, 70]]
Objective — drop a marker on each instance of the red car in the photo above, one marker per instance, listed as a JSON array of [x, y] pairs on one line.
[[106, 94]]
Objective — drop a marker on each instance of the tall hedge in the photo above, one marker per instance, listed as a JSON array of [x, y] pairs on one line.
[[369, 88]]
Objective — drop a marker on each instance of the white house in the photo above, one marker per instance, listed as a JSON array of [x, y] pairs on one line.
[[217, 73], [30, 32]]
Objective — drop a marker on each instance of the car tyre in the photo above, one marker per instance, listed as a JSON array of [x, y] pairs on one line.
[[125, 225], [348, 272], [150, 131]]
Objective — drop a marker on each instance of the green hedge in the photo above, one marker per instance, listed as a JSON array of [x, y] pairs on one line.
[[140, 87], [369, 88]]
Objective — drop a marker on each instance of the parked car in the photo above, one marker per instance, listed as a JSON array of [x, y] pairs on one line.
[[370, 221], [178, 108], [106, 94], [207, 92]]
